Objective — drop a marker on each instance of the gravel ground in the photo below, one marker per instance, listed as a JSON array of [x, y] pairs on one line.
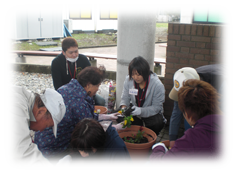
[[35, 82]]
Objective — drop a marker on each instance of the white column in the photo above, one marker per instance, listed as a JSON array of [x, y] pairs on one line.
[[136, 37]]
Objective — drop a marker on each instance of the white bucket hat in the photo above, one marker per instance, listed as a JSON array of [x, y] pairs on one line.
[[181, 76], [54, 102]]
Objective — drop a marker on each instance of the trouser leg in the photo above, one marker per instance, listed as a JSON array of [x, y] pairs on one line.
[[155, 123]]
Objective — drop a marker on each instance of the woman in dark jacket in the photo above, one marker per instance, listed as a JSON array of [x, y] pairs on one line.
[[91, 139], [198, 101]]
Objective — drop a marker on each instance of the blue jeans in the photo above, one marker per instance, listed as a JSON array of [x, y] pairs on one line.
[[225, 100], [146, 166]]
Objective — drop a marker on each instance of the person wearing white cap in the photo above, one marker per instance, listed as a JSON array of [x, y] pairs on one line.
[[35, 112], [208, 73]]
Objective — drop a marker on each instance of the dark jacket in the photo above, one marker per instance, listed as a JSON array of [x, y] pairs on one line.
[[115, 155], [59, 71], [206, 146], [114, 147]]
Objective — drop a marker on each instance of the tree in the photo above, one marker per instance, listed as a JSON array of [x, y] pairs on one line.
[[173, 10]]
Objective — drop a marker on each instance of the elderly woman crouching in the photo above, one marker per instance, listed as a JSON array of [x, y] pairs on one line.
[[78, 98]]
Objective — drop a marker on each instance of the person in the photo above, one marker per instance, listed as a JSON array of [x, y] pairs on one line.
[[35, 112], [78, 97], [145, 91], [93, 139], [208, 73], [68, 64], [198, 101]]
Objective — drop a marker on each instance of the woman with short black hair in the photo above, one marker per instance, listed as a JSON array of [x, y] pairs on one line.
[[87, 138], [95, 139], [145, 91]]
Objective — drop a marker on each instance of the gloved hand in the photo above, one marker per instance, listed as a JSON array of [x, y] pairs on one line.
[[137, 110], [112, 117], [118, 126], [64, 163], [160, 144]]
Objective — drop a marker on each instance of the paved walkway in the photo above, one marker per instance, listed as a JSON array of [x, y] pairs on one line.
[[110, 65]]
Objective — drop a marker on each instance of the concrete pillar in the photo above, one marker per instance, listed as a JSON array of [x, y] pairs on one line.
[[136, 37]]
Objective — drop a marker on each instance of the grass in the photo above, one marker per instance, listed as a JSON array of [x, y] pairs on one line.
[[161, 25], [83, 39], [94, 39], [30, 46]]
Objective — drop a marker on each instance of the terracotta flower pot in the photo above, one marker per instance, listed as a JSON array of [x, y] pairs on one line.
[[138, 150], [103, 110]]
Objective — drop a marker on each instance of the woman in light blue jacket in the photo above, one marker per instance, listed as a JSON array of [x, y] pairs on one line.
[[145, 91]]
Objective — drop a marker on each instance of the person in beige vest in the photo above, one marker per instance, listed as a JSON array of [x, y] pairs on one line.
[[25, 111]]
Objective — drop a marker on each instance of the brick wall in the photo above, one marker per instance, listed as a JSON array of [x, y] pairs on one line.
[[190, 45]]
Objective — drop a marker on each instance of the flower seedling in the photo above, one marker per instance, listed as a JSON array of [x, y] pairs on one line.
[[135, 138], [127, 119]]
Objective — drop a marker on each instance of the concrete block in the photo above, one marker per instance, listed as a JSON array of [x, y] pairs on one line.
[[20, 59]]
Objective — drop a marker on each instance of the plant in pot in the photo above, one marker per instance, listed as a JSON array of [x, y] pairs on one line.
[[138, 139]]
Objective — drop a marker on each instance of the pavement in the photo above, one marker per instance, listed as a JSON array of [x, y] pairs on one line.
[[110, 65]]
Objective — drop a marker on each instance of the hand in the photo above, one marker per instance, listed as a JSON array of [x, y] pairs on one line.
[[64, 163], [137, 110], [172, 144], [112, 117], [118, 126], [160, 144]]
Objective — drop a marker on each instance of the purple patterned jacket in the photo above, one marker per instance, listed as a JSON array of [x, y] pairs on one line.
[[78, 106]]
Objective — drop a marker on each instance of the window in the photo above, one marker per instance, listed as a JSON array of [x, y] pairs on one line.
[[207, 16], [84, 13], [108, 11]]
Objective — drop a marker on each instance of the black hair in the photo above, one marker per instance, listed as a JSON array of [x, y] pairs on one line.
[[141, 65], [88, 135]]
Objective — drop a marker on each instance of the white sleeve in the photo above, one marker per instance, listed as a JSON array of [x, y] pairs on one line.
[[23, 147]]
